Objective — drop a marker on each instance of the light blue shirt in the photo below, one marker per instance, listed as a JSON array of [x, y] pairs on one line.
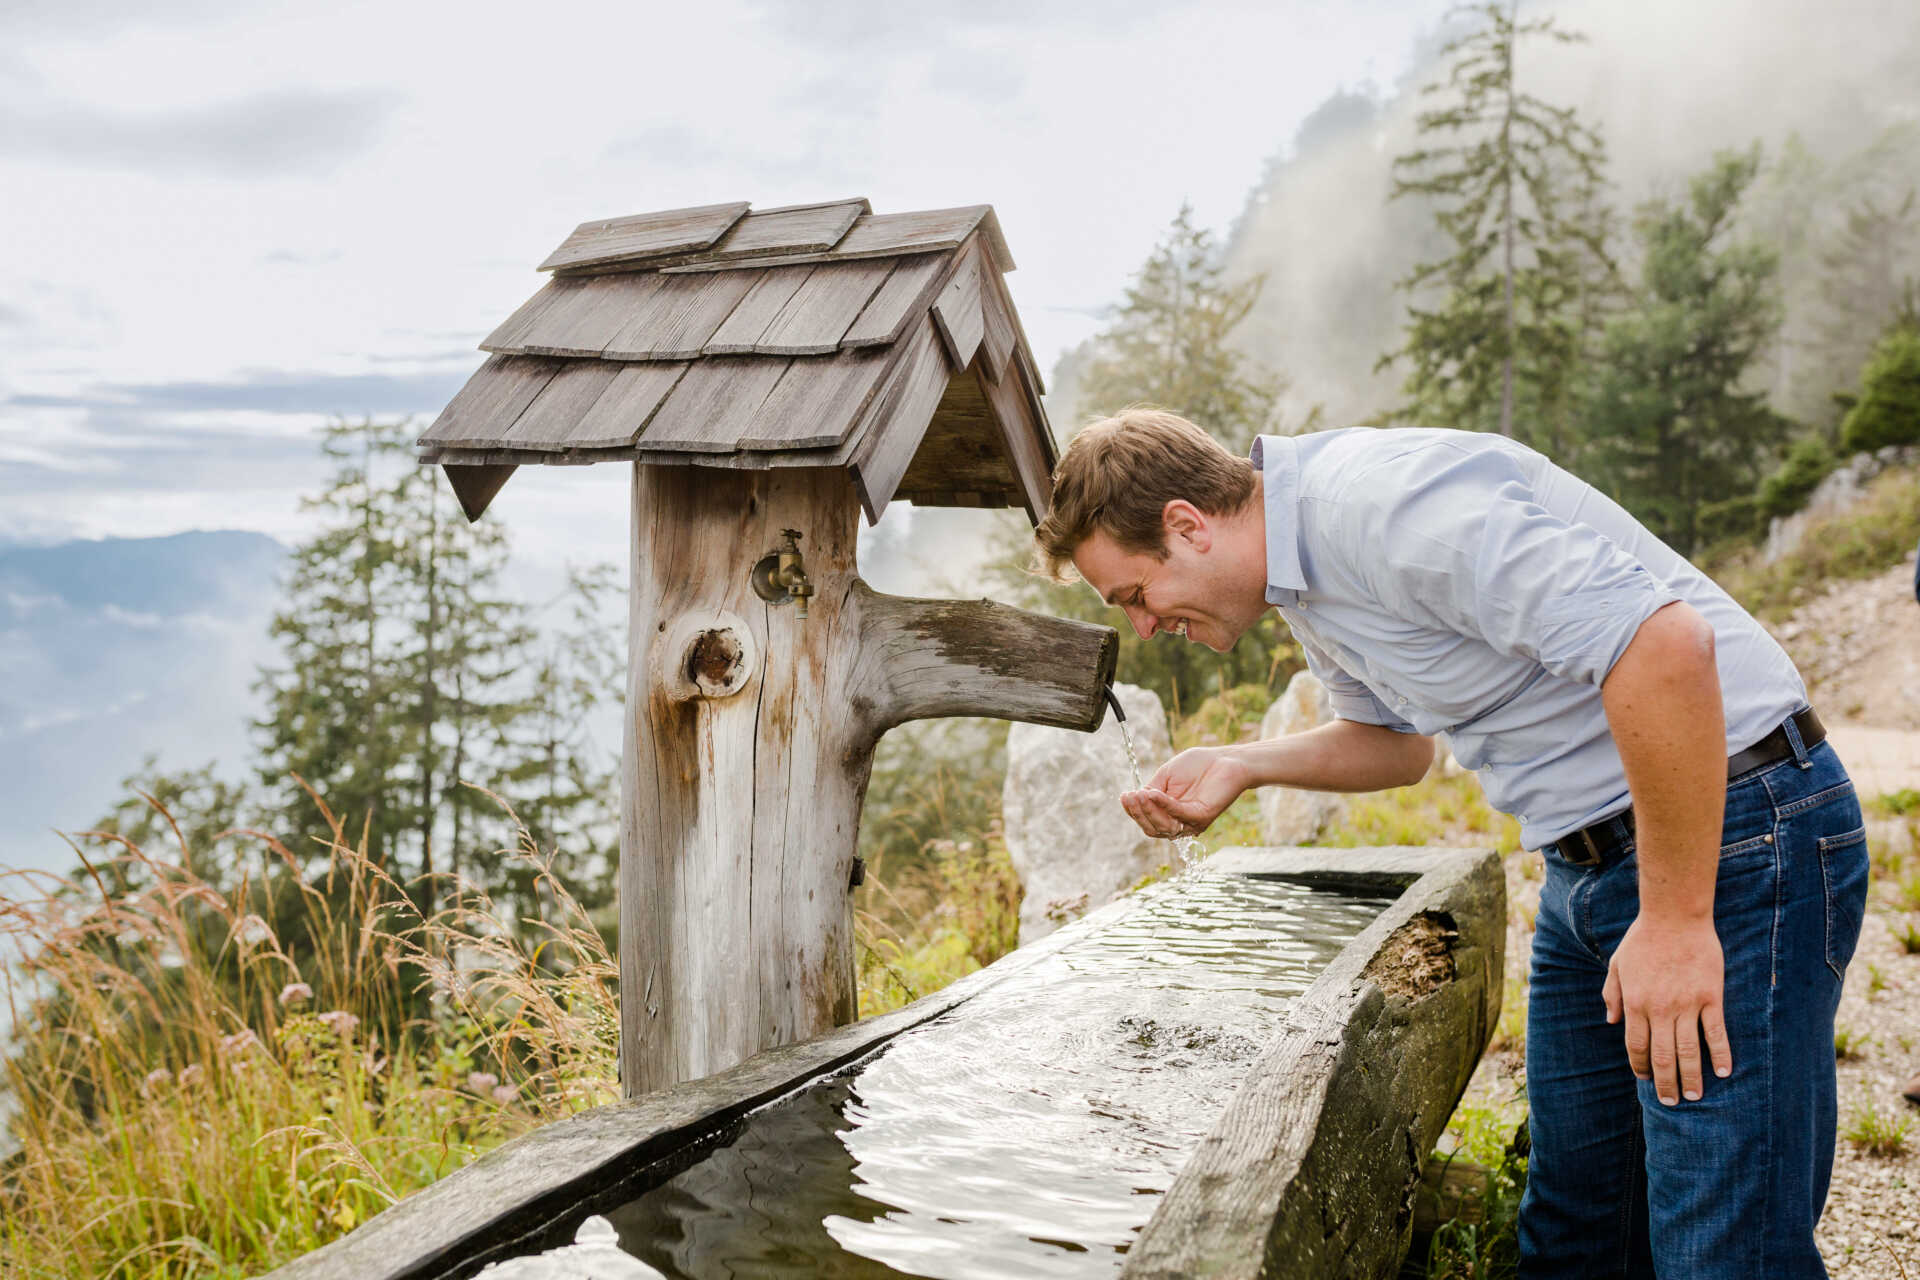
[[1458, 583]]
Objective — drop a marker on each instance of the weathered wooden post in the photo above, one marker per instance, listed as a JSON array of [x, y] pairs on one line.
[[769, 375]]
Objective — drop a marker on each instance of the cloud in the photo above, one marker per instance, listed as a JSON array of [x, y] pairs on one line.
[[273, 391], [266, 134]]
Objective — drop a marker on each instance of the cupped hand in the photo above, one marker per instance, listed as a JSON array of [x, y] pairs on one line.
[[1187, 793], [1665, 982]]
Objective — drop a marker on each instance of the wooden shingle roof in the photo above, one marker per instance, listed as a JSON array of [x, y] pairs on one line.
[[810, 335]]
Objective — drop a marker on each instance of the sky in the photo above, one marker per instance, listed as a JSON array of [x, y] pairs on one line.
[[222, 224]]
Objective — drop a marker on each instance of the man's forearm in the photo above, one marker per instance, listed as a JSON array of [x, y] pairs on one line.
[[1342, 756], [1662, 700]]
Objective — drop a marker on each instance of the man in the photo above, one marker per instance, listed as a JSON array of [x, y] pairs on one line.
[[1705, 860]]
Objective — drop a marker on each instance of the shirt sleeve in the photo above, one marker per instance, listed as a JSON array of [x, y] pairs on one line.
[[1452, 538], [1350, 698]]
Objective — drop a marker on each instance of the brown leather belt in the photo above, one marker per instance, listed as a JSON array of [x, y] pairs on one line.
[[1592, 845]]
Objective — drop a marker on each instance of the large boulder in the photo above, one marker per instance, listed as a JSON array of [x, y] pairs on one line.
[[1289, 815], [1073, 845]]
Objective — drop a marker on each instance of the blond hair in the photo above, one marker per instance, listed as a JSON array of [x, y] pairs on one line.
[[1119, 473]]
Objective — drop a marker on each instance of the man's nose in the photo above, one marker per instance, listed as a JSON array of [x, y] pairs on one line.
[[1144, 624]]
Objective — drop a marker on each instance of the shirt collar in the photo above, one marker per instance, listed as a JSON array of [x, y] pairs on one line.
[[1278, 461]]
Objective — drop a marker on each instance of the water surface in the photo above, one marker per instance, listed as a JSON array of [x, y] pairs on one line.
[[1031, 1130]]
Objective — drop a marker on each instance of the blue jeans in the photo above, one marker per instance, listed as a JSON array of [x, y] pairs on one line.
[[1730, 1185]]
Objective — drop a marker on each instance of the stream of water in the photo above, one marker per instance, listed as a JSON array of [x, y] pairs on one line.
[[1186, 848], [1031, 1130]]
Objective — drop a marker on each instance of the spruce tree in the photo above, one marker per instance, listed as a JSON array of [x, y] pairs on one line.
[[1495, 331], [1168, 343], [1674, 425]]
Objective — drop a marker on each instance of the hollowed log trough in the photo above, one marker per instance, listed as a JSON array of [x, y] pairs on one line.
[[1311, 1171]]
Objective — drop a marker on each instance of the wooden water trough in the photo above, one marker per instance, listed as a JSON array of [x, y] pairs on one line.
[[769, 375], [1311, 1170]]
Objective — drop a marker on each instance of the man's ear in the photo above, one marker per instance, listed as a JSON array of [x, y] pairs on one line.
[[1182, 520]]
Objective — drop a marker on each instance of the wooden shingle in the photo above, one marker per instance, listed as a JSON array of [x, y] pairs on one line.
[[645, 236], [811, 336]]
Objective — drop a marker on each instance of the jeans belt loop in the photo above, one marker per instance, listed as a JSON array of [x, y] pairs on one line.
[[1796, 744]]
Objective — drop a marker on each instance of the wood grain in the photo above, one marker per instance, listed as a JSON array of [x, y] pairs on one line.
[[963, 448], [642, 236], [713, 403], [1023, 433], [879, 235], [677, 317], [764, 299], [548, 421], [817, 316], [802, 228], [900, 417], [906, 293], [589, 314], [622, 412], [816, 402], [508, 335], [956, 312], [483, 410]]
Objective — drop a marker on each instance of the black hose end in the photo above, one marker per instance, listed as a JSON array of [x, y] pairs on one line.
[[1119, 712]]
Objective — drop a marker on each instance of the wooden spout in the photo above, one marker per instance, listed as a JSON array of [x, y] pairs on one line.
[[979, 658], [750, 737]]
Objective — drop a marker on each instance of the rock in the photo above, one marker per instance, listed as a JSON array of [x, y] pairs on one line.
[[1843, 487], [1072, 844], [1289, 815]]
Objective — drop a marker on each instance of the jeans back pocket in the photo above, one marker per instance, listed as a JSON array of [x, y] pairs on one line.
[[1843, 868]]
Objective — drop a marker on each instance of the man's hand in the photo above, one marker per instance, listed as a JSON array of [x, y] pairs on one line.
[[1187, 793], [1665, 981]]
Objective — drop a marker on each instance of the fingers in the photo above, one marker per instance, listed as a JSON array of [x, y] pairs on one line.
[[1639, 1041], [1713, 1024], [1611, 994], [1163, 817], [1686, 1050]]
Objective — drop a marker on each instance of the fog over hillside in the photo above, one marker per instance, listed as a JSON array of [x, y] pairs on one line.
[[1668, 85]]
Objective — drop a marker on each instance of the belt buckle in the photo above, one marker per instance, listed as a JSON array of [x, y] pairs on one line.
[[1580, 849]]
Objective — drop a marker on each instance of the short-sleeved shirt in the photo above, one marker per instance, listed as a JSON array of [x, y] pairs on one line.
[[1458, 583]]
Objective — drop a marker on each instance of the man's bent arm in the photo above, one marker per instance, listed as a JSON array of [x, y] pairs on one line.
[[1662, 700], [1196, 786], [1343, 755]]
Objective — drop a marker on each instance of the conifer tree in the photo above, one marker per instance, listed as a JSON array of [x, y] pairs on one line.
[[1493, 336], [1168, 343], [1674, 425]]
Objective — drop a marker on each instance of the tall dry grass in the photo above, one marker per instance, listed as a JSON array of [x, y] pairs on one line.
[[211, 1079]]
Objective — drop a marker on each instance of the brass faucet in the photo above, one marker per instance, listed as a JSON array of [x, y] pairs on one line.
[[781, 578]]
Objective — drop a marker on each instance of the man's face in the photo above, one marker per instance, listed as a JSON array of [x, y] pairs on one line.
[[1187, 593]]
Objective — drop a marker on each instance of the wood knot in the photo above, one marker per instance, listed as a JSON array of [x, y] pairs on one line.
[[716, 662]]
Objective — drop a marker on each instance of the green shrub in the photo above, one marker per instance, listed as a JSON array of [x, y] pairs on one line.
[[1888, 411], [1878, 532], [1734, 519], [1787, 489]]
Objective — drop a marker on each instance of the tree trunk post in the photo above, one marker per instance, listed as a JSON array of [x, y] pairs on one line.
[[749, 741]]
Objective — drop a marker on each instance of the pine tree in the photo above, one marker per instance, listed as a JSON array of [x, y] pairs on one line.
[[1168, 344], [1673, 427], [1494, 332]]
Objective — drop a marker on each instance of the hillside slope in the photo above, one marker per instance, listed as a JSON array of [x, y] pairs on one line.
[[1858, 646]]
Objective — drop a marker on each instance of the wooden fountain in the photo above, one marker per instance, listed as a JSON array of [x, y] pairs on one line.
[[769, 375]]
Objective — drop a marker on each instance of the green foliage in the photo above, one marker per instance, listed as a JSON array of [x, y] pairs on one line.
[[212, 1080], [1878, 531], [1870, 261], [1876, 1133], [1731, 521], [1909, 939], [1895, 804], [1168, 345], [1888, 410], [1496, 329], [1786, 490], [1671, 430], [1484, 1243], [411, 691]]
